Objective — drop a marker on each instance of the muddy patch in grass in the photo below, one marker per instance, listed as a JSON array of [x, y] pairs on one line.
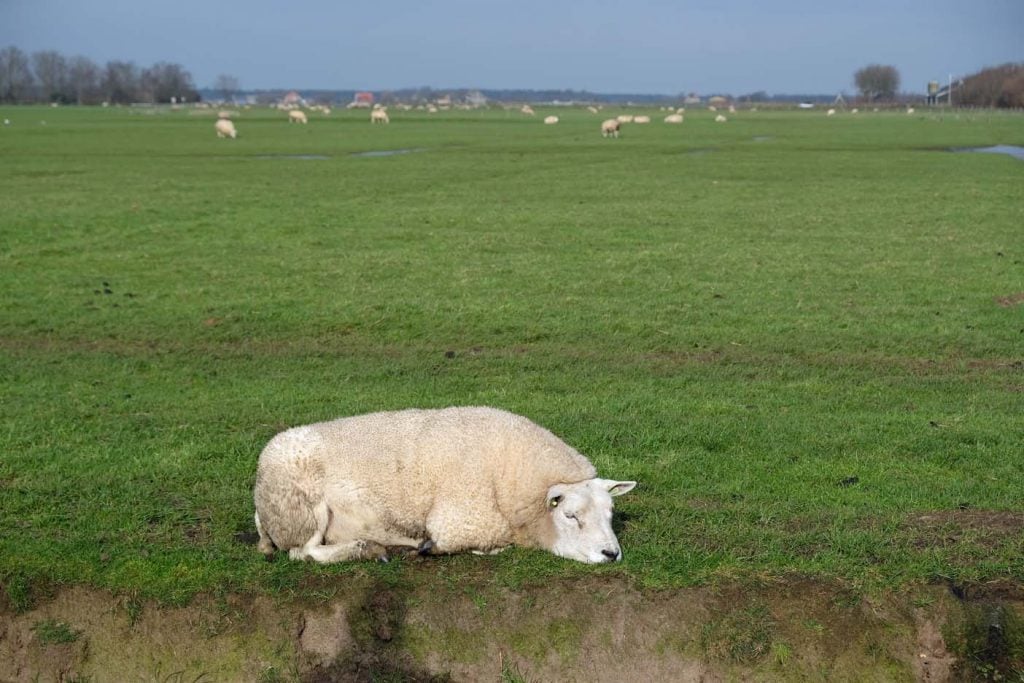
[[1010, 300], [981, 528]]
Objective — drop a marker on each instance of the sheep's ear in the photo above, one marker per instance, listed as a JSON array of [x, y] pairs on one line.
[[617, 488]]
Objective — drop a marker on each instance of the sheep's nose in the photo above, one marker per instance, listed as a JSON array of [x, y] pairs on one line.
[[612, 555]]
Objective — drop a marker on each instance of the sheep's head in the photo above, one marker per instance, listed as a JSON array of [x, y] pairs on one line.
[[581, 514]]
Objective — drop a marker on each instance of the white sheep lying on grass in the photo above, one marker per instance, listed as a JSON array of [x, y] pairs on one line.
[[296, 116], [225, 129], [550, 120], [674, 118], [440, 481]]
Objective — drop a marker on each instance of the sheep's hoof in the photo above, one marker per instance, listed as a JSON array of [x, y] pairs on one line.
[[371, 550], [425, 547]]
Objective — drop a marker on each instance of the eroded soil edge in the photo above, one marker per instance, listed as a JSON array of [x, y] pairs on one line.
[[598, 629]]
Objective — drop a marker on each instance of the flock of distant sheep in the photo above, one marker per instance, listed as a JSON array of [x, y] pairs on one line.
[[609, 127], [225, 127]]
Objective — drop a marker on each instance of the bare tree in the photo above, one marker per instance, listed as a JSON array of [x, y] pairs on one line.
[[877, 82], [51, 70], [164, 81], [1013, 90], [994, 86], [120, 82], [84, 75], [228, 86], [15, 76]]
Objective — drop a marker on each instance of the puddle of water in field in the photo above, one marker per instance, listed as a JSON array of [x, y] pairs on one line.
[[304, 157], [1012, 150], [387, 152]]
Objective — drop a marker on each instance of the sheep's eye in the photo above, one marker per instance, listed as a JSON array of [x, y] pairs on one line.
[[555, 501]]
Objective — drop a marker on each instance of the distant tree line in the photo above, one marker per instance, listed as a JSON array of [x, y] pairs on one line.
[[996, 86], [48, 76]]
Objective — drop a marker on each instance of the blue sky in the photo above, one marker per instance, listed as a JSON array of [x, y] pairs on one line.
[[633, 46]]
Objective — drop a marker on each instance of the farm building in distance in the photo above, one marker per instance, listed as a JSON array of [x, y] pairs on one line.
[[362, 100]]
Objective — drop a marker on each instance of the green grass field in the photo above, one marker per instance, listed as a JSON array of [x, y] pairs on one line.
[[802, 335]]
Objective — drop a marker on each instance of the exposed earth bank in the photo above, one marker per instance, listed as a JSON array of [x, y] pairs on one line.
[[595, 629]]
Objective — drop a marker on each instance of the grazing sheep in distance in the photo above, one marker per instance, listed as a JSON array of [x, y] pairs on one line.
[[440, 481], [910, 110], [712, 107], [225, 129], [721, 119], [296, 116], [641, 119], [379, 116], [550, 120], [624, 118], [674, 118], [592, 109], [610, 128], [830, 112], [527, 109], [854, 110]]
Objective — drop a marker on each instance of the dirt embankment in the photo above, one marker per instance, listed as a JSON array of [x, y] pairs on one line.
[[600, 629]]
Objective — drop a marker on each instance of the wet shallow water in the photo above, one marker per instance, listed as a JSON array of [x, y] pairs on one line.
[[1012, 150], [387, 152]]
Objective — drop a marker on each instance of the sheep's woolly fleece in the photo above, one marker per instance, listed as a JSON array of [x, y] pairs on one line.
[[468, 478]]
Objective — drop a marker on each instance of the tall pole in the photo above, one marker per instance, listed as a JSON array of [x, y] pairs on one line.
[[950, 91]]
